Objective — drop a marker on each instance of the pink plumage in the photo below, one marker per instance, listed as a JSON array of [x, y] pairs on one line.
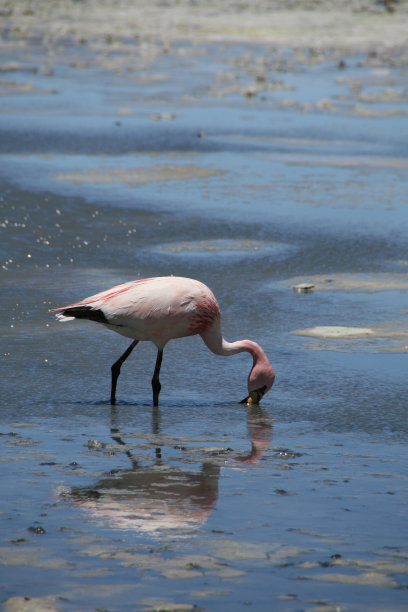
[[161, 309]]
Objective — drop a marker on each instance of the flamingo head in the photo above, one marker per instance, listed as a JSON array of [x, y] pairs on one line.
[[260, 380]]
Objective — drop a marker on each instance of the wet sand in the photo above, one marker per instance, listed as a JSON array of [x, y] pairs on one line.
[[259, 148], [318, 23]]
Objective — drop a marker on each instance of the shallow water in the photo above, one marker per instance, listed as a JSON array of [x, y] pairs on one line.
[[205, 504]]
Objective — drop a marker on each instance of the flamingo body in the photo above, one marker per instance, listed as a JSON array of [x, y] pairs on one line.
[[161, 309]]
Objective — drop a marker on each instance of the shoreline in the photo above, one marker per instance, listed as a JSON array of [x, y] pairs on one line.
[[117, 25]]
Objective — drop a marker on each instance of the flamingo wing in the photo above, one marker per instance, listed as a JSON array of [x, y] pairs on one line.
[[157, 309]]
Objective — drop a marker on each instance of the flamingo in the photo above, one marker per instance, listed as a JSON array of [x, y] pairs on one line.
[[161, 309]]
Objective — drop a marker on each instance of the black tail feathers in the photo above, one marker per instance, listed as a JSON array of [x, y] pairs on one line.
[[85, 312]]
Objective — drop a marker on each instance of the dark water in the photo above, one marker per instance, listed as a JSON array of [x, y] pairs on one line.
[[298, 505]]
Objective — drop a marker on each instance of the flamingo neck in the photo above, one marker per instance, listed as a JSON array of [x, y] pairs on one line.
[[218, 345], [240, 346], [261, 375]]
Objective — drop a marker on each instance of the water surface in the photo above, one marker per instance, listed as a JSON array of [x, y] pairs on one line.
[[181, 169]]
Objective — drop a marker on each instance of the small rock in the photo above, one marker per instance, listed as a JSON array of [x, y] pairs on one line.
[[303, 288], [250, 92], [95, 444], [37, 529], [47, 71], [162, 116]]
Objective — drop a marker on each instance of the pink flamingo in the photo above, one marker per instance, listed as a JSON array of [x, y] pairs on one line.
[[160, 309]]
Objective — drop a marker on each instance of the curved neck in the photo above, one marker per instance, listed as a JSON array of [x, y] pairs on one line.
[[239, 346], [262, 374], [216, 343]]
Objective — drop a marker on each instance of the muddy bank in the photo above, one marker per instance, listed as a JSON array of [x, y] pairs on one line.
[[357, 25]]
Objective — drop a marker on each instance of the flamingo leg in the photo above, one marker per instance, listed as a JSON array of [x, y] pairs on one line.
[[115, 369], [156, 386]]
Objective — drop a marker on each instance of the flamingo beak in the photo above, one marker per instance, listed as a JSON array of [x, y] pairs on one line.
[[254, 397]]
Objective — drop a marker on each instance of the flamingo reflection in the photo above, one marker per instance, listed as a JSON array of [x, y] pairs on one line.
[[159, 496], [260, 431]]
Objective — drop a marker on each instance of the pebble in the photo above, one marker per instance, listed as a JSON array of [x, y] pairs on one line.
[[303, 288]]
